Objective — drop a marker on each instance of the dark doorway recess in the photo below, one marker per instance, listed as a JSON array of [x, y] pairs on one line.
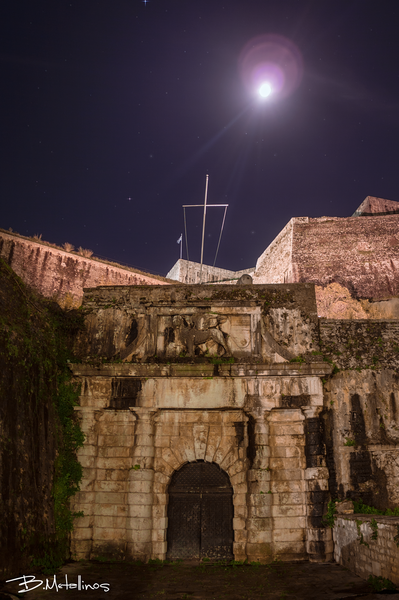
[[200, 513]]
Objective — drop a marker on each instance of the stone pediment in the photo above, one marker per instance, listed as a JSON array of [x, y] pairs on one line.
[[272, 323]]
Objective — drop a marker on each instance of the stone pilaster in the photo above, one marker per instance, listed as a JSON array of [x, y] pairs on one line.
[[319, 543], [287, 465], [140, 487], [259, 521]]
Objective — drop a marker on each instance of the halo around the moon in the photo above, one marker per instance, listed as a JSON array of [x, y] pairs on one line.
[[271, 65]]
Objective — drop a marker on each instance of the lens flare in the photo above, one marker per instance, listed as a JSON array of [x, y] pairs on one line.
[[271, 64], [265, 90]]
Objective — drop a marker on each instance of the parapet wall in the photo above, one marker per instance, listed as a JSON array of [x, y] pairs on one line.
[[360, 253], [61, 275], [366, 550]]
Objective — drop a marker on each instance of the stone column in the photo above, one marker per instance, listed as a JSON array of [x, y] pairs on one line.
[[319, 543], [287, 466], [140, 487], [259, 521]]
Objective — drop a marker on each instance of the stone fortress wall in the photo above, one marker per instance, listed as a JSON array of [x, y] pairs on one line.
[[61, 275], [189, 272], [239, 378]]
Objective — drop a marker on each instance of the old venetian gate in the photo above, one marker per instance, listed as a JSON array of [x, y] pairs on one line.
[[200, 513], [188, 393]]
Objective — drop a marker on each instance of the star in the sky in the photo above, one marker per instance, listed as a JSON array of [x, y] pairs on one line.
[[145, 2]]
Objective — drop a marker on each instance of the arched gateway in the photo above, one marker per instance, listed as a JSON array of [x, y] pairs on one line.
[[200, 513]]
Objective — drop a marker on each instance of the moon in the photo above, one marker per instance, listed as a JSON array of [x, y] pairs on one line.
[[265, 89]]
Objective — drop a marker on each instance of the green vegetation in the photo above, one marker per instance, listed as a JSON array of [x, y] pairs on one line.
[[36, 349], [330, 516], [364, 509], [374, 528], [380, 583], [350, 442]]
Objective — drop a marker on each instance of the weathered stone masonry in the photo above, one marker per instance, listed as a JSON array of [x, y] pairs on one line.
[[180, 374]]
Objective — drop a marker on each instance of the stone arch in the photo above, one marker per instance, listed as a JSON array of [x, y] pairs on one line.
[[200, 513], [193, 435]]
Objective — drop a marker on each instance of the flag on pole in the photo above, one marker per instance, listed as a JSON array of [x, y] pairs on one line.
[[179, 241]]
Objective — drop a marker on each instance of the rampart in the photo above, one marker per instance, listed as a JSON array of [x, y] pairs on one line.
[[61, 275], [360, 253]]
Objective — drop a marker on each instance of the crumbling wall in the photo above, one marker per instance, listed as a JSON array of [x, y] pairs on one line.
[[61, 275]]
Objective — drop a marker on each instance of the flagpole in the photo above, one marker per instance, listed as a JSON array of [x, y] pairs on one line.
[[203, 226]]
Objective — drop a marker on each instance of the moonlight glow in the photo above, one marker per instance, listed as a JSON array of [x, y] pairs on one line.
[[265, 90], [272, 65]]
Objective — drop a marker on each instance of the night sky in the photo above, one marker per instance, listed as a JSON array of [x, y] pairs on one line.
[[114, 111]]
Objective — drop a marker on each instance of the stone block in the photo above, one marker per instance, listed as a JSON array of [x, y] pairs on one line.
[[288, 475], [240, 488], [81, 548], [289, 523], [86, 450], [137, 487], [294, 451], [240, 535], [315, 485], [298, 548], [110, 497], [316, 473], [160, 523], [288, 511], [289, 535], [140, 498], [239, 548], [238, 478], [238, 523], [83, 522], [159, 548], [84, 498], [286, 429], [140, 510], [260, 536], [140, 451], [286, 415], [288, 463], [239, 499], [110, 486], [110, 522], [139, 535], [235, 468], [241, 510], [287, 440], [260, 511], [106, 440], [285, 498], [160, 499], [259, 475], [158, 535], [260, 499], [88, 509], [139, 550], [115, 451], [169, 456], [117, 510], [138, 523], [114, 463], [163, 467], [141, 475], [87, 485], [162, 441], [280, 451], [259, 551], [83, 533], [87, 461], [297, 485], [159, 511]]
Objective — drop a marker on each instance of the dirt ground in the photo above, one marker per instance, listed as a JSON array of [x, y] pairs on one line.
[[184, 581]]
